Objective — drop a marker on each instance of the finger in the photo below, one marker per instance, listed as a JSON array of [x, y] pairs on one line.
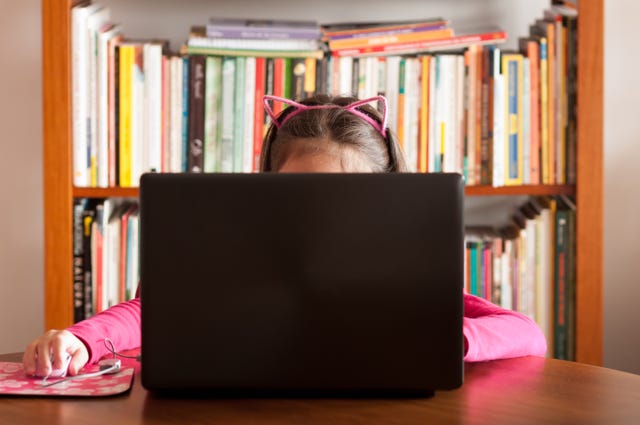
[[58, 349], [29, 359], [43, 355], [79, 358]]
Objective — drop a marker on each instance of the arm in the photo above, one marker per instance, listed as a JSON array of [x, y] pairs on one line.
[[120, 323], [491, 332]]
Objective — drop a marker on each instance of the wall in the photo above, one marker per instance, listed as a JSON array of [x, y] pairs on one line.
[[622, 192], [21, 244]]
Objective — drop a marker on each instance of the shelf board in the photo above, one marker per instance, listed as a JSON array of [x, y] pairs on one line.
[[132, 192]]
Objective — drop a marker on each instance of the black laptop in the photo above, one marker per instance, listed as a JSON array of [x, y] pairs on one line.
[[302, 283]]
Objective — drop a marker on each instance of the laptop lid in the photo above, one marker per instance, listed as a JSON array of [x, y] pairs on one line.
[[330, 282]]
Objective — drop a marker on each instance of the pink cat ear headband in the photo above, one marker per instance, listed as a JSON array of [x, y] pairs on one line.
[[352, 107]]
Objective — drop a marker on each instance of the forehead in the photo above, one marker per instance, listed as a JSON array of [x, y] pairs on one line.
[[321, 156]]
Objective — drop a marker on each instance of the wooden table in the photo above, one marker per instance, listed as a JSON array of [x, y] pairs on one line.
[[528, 390]]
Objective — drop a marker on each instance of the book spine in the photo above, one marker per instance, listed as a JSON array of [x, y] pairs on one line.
[[185, 114], [79, 207], [499, 134], [401, 103], [153, 107], [526, 122], [551, 99], [263, 33], [571, 285], [485, 137], [278, 81], [560, 299], [126, 69], [423, 148], [388, 31], [533, 53], [310, 77], [228, 108], [238, 107], [213, 88], [572, 59], [88, 275], [425, 45], [114, 116], [544, 114], [166, 114], [250, 107], [138, 151], [298, 77], [381, 40], [196, 113], [259, 115], [512, 66]]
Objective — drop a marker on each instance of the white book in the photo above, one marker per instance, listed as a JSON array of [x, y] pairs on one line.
[[506, 299], [526, 121], [138, 121], [111, 289], [531, 276], [381, 78], [446, 114], [249, 112], [228, 99], [544, 281], [372, 81], [346, 73], [103, 104], [95, 22], [290, 44], [134, 245], [411, 112], [499, 134], [80, 89], [175, 130], [392, 88], [433, 133], [458, 160], [152, 142]]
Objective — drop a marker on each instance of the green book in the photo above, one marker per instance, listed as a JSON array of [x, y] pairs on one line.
[[560, 284], [212, 114]]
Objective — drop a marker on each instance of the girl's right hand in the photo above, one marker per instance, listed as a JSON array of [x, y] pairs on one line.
[[57, 346]]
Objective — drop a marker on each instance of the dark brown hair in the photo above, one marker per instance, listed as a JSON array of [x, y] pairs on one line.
[[334, 125]]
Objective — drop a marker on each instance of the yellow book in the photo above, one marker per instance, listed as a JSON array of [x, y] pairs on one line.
[[423, 158], [127, 57], [544, 112], [513, 153]]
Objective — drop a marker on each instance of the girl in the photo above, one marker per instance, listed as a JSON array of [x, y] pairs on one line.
[[320, 134]]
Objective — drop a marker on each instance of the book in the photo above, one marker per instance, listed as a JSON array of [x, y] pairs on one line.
[[197, 64], [377, 39], [212, 113], [512, 66], [79, 206], [466, 38], [272, 29], [349, 28], [80, 88]]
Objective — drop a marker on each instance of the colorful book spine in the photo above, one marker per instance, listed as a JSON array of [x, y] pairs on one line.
[[490, 37], [423, 144], [259, 115], [126, 68], [185, 113], [385, 39], [213, 88], [512, 66], [545, 163]]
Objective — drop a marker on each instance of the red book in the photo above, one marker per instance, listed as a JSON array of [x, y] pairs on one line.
[[491, 36], [278, 83], [258, 116]]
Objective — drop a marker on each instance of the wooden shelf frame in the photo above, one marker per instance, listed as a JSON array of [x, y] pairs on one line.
[[59, 191]]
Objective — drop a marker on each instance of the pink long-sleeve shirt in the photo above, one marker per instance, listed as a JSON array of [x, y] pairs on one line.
[[490, 332]]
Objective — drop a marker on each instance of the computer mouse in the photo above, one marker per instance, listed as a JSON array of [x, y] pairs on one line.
[[62, 372]]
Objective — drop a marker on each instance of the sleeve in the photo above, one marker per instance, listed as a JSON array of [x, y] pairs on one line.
[[491, 332], [120, 323]]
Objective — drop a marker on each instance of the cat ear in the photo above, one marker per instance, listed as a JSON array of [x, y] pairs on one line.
[[380, 101], [274, 117]]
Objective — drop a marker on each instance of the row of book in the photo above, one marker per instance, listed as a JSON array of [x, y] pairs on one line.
[[498, 117], [529, 266], [105, 254]]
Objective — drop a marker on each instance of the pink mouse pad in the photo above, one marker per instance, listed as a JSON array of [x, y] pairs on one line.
[[13, 381]]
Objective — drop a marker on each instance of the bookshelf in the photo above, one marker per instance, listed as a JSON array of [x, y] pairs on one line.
[[59, 191]]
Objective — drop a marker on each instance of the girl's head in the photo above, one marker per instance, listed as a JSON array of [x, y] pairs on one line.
[[324, 133]]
